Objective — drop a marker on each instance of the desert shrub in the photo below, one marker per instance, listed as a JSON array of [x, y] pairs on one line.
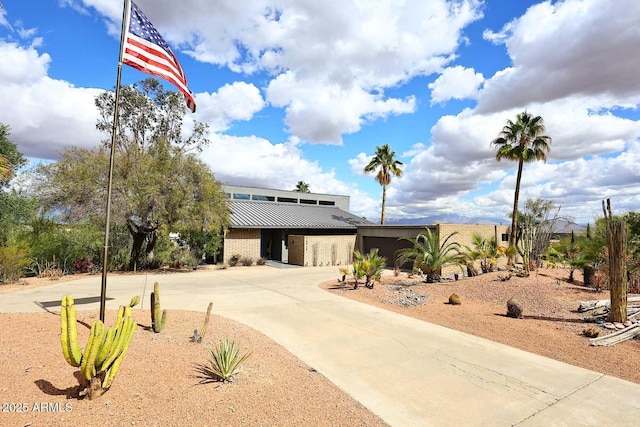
[[247, 261], [234, 260], [261, 261], [183, 256], [223, 361], [67, 243], [13, 261], [85, 265]]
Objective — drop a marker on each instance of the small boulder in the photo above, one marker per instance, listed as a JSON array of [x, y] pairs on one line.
[[591, 332], [454, 299], [514, 309]]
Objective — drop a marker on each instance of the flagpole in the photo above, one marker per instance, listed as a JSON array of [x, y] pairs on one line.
[[105, 256]]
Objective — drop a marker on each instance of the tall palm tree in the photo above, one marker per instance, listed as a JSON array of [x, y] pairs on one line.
[[522, 141], [384, 161], [302, 187], [429, 255]]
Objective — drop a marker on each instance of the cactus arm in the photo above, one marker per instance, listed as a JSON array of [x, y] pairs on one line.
[[206, 321], [163, 320], [88, 367], [69, 332], [64, 332], [115, 367], [118, 343], [105, 348], [157, 321], [134, 301]]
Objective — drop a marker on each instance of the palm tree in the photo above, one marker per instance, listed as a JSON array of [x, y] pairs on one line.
[[302, 187], [522, 141], [387, 165], [487, 251], [369, 266], [429, 255]]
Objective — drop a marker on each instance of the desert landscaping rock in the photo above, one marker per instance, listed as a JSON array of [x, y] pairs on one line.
[[406, 297]]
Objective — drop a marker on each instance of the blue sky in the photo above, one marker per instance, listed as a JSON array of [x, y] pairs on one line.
[[305, 90]]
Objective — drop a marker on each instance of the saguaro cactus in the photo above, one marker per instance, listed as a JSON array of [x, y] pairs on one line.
[[105, 349], [157, 322]]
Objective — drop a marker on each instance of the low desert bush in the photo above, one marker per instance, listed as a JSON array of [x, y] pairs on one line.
[[13, 261], [234, 260], [247, 261]]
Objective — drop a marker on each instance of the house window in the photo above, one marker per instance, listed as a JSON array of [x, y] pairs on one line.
[[287, 200], [505, 237], [308, 202], [327, 202], [238, 196], [262, 198]]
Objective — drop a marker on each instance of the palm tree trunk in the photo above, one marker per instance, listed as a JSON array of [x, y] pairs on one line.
[[514, 215], [384, 202]]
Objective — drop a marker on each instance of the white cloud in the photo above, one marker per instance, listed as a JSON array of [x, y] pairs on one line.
[[358, 163], [236, 101], [579, 48], [330, 61], [322, 112], [26, 64], [46, 116], [455, 83]]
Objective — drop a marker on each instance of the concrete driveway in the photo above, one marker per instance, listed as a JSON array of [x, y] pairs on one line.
[[408, 372]]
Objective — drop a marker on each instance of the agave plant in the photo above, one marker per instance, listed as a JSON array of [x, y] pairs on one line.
[[223, 362], [429, 255]]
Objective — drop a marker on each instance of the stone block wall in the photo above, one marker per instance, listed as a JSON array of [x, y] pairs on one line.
[[465, 237], [313, 251], [245, 242]]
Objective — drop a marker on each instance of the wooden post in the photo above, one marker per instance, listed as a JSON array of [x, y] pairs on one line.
[[617, 244]]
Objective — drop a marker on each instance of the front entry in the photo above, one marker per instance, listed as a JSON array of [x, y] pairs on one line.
[[273, 245]]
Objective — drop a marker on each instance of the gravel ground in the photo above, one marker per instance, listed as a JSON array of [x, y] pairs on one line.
[[551, 326]]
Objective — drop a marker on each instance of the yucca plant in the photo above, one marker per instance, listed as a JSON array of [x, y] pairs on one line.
[[223, 362]]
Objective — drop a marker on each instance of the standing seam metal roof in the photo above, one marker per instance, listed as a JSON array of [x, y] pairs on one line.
[[250, 214]]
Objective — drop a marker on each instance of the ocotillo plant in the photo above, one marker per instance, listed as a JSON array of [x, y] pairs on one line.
[[198, 336], [157, 322], [105, 350]]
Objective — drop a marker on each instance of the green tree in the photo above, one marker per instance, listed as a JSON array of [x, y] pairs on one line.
[[10, 158], [302, 187], [387, 166], [17, 207], [5, 168], [536, 227], [429, 255], [521, 141], [159, 185]]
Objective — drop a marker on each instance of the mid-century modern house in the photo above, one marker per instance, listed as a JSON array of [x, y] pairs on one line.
[[311, 229], [307, 229]]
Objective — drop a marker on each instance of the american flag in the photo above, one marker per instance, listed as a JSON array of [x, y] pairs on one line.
[[146, 50]]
